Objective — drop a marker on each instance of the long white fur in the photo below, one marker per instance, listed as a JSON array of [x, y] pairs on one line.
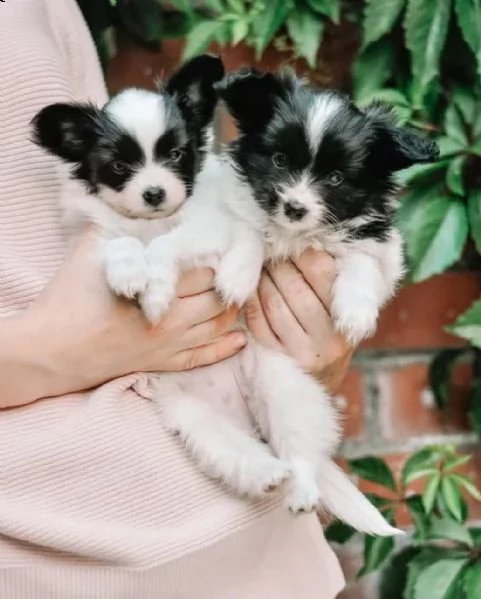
[[222, 226]]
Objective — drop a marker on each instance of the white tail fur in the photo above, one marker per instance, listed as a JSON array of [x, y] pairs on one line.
[[344, 500]]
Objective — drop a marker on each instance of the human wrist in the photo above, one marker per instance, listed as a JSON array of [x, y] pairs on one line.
[[26, 360]]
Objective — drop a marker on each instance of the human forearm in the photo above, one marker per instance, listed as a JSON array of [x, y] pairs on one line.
[[27, 370]]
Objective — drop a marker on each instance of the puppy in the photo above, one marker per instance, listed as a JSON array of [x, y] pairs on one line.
[[308, 170], [132, 163]]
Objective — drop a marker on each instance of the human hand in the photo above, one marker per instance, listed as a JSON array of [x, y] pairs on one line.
[[84, 335], [290, 313]]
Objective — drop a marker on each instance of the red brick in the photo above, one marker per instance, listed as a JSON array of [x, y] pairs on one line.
[[404, 393], [350, 404], [416, 316]]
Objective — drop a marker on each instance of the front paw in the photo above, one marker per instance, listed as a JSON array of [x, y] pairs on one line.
[[236, 285], [356, 320], [126, 268], [304, 497], [158, 296]]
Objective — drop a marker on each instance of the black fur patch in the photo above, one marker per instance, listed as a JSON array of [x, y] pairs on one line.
[[362, 149]]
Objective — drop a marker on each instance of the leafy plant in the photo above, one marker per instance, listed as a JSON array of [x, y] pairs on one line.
[[424, 58], [443, 557], [295, 25]]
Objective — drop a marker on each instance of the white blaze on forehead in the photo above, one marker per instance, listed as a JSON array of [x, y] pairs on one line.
[[320, 113], [300, 191], [142, 113]]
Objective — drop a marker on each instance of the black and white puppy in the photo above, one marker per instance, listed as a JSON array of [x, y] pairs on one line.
[[133, 162], [308, 170]]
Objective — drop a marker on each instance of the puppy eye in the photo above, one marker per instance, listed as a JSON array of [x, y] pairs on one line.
[[175, 155], [335, 178], [280, 160], [119, 167]]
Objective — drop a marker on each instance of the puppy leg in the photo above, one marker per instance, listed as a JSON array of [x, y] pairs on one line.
[[162, 256], [357, 296], [222, 450], [239, 271], [125, 266], [299, 420]]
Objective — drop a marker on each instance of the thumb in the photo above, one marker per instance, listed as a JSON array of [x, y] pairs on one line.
[[220, 349]]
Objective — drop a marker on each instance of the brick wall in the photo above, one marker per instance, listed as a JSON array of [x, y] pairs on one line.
[[388, 408]]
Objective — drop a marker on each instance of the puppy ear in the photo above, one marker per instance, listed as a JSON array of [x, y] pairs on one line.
[[250, 97], [66, 130], [401, 147], [192, 87]]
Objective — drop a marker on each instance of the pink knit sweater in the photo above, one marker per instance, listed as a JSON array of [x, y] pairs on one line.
[[97, 501]]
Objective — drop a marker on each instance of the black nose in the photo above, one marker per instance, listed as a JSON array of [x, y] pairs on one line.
[[154, 196], [294, 210]]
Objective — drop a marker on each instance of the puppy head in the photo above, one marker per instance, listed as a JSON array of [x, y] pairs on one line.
[[141, 152], [312, 158]]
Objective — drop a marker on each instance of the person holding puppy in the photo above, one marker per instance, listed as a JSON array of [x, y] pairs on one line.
[[96, 499]]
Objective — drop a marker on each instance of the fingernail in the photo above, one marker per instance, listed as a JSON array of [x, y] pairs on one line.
[[239, 340]]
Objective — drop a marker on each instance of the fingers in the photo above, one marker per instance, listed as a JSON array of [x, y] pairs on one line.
[[213, 352], [195, 281], [278, 314], [257, 324], [209, 330], [193, 310], [304, 304], [319, 270]]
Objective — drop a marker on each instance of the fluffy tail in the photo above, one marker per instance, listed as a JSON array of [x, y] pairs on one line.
[[344, 500]]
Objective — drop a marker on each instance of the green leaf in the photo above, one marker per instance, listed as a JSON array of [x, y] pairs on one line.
[[419, 517], [475, 533], [456, 461], [200, 36], [475, 409], [464, 99], [419, 463], [468, 13], [447, 529], [440, 372], [426, 26], [376, 551], [268, 23], [435, 580], [144, 20], [430, 492], [395, 574], [449, 147], [468, 324], [423, 173], [454, 175], [239, 30], [223, 35], [454, 126], [426, 557], [338, 532], [329, 8], [380, 17], [305, 29], [435, 231], [184, 6], [375, 470], [472, 581], [468, 485], [452, 497], [474, 216], [372, 68], [398, 101], [475, 147], [215, 5]]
